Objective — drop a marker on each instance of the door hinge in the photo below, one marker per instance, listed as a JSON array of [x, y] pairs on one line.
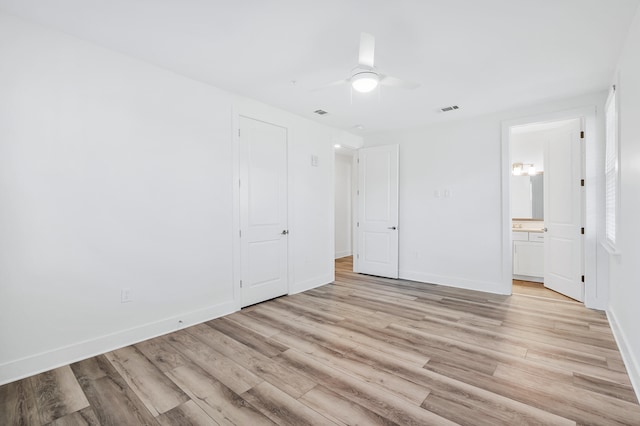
[[358, 224], [582, 231], [358, 160], [240, 231], [581, 182], [238, 132], [240, 283], [582, 134], [358, 255], [583, 278], [357, 192]]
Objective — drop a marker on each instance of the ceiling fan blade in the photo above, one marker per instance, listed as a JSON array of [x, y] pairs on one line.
[[367, 47], [386, 80], [335, 83]]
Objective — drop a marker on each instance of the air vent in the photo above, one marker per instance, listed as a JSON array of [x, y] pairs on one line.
[[449, 108], [320, 112]]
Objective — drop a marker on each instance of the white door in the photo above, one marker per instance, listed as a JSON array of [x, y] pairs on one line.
[[378, 211], [563, 211], [263, 211]]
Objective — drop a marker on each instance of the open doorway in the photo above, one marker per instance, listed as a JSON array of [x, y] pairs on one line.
[[547, 178], [595, 290], [372, 205], [344, 182]]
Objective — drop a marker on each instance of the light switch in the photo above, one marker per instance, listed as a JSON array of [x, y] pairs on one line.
[[125, 295], [314, 160]]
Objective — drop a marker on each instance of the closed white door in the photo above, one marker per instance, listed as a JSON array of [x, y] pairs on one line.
[[563, 211], [378, 211], [263, 211]]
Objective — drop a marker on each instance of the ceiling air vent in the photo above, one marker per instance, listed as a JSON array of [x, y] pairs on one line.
[[449, 108], [320, 112]]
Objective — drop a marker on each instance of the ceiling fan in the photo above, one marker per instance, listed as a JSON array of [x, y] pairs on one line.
[[365, 76]]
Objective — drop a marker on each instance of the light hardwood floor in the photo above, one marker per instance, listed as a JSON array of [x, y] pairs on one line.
[[536, 289], [365, 350]]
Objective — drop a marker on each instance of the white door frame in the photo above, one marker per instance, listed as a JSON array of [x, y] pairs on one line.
[[596, 293], [355, 212]]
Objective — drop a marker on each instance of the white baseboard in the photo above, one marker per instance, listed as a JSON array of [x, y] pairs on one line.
[[630, 361], [528, 278], [489, 287], [341, 254], [45, 361], [311, 283]]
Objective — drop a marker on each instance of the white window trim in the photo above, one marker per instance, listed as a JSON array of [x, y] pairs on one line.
[[612, 171]]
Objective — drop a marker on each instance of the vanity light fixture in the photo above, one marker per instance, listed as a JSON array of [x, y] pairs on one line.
[[517, 169]]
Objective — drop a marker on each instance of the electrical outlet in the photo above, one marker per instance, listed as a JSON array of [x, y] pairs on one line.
[[125, 295]]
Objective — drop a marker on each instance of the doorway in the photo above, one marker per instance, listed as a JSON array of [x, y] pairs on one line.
[[263, 211], [595, 290], [372, 206], [344, 190], [546, 204]]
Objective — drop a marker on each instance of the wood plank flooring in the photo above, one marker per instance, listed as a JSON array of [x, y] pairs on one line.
[[536, 289], [364, 350]]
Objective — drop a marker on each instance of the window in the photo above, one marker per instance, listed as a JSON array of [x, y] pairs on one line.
[[611, 169]]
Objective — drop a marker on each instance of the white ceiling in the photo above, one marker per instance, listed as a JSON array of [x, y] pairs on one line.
[[484, 56]]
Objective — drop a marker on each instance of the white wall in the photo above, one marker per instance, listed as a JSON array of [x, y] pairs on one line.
[[117, 174], [624, 270], [311, 199], [343, 171], [455, 240], [458, 241], [529, 148]]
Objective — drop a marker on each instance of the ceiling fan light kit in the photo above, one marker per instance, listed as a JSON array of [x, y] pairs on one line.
[[365, 76], [365, 81]]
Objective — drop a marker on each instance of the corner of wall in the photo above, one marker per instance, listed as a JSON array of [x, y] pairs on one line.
[[312, 283], [475, 285], [631, 363]]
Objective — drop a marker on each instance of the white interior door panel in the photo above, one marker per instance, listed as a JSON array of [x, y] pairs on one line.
[[378, 211]]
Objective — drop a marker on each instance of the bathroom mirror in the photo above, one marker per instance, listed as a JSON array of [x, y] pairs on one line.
[[527, 197]]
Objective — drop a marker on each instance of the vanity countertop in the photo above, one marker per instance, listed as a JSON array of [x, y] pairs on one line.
[[527, 225]]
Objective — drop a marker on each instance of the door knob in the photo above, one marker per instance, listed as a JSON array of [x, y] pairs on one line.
[[545, 229], [284, 232], [392, 227]]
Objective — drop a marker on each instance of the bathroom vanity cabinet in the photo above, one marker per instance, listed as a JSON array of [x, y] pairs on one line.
[[528, 256]]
